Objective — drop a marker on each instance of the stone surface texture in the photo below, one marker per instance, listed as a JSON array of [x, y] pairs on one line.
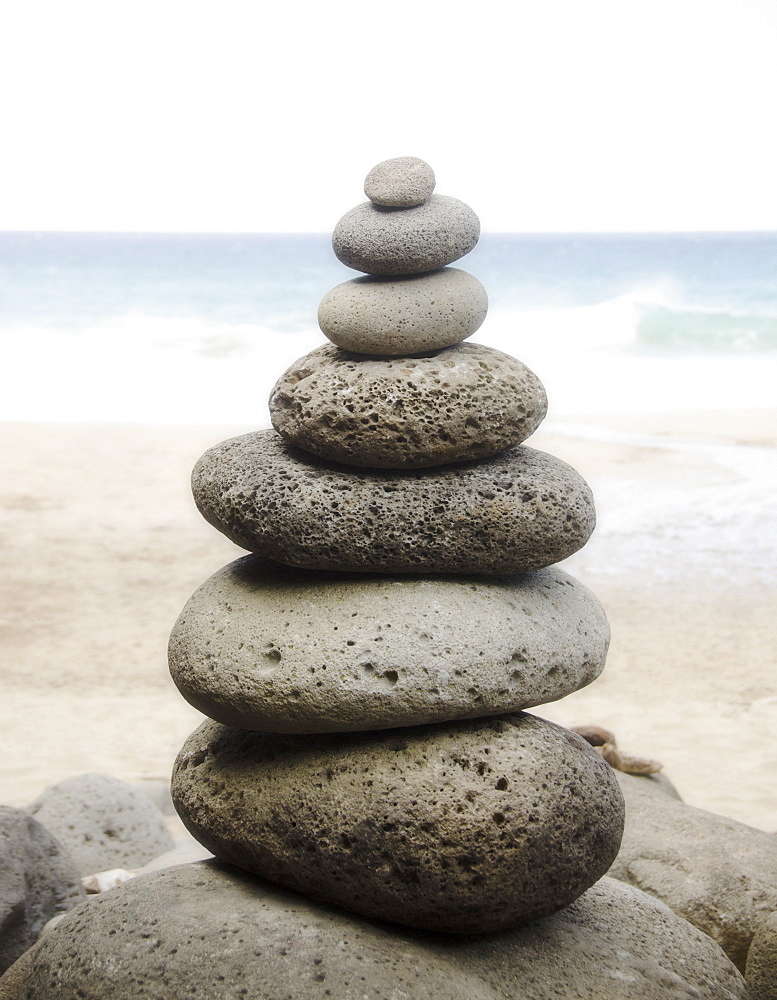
[[719, 874], [761, 968], [268, 647], [460, 403], [514, 513], [387, 241], [402, 182], [463, 827], [406, 315], [37, 880], [103, 822], [211, 932]]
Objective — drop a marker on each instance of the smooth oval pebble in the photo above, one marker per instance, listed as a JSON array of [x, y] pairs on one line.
[[268, 647], [405, 241], [402, 182], [405, 315], [513, 513], [212, 932], [462, 827], [460, 403]]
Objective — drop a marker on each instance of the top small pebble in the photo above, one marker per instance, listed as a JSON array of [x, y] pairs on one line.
[[403, 182]]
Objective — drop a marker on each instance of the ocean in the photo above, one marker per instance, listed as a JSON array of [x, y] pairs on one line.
[[195, 328]]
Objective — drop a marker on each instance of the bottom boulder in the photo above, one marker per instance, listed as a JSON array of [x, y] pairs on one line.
[[208, 931]]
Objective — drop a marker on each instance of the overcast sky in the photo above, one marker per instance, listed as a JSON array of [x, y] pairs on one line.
[[557, 115]]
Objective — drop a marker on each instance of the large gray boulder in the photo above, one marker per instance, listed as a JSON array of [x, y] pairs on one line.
[[463, 827], [719, 874], [268, 647], [103, 822], [38, 879], [391, 241], [514, 513], [211, 932], [454, 405], [404, 315], [761, 968]]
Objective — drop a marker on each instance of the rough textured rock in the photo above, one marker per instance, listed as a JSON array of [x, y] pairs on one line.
[[267, 647], [406, 315], [103, 822], [761, 969], [380, 240], [460, 403], [514, 513], [719, 874], [211, 932], [37, 880], [463, 827], [402, 182]]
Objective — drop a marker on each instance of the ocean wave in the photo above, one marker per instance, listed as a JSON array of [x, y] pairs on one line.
[[682, 327]]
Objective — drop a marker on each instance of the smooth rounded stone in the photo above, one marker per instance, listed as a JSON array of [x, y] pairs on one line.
[[405, 315], [380, 240], [514, 513], [268, 647], [761, 968], [402, 182], [718, 874], [460, 403], [37, 880], [212, 932], [463, 827], [103, 822]]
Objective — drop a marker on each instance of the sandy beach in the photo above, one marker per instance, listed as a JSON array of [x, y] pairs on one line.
[[102, 546]]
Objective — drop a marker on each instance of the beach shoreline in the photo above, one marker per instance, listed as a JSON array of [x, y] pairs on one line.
[[103, 546]]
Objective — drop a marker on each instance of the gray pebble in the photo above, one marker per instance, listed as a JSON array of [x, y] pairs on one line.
[[406, 315], [461, 403], [463, 827], [514, 513], [267, 647], [212, 932], [405, 241], [402, 182]]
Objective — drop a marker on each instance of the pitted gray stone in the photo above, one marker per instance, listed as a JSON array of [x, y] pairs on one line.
[[267, 647], [463, 827], [402, 182], [761, 968], [514, 513], [380, 240], [212, 932], [404, 315], [458, 404]]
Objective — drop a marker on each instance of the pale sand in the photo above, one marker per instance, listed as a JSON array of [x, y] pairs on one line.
[[102, 546]]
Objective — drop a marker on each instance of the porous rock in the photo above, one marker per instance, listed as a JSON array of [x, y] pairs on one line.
[[761, 968], [380, 240], [37, 880], [268, 647], [457, 404], [514, 513], [212, 932], [405, 315], [719, 874], [401, 182], [463, 827], [103, 822]]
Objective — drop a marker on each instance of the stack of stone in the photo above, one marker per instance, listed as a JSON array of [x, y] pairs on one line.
[[365, 669]]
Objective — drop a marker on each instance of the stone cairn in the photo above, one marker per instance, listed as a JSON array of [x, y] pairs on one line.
[[364, 670]]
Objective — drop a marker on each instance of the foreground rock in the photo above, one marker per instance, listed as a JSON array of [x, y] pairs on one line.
[[38, 879], [719, 874], [514, 513], [211, 932], [103, 822], [460, 403], [402, 182], [761, 970], [268, 647], [405, 315], [464, 827]]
